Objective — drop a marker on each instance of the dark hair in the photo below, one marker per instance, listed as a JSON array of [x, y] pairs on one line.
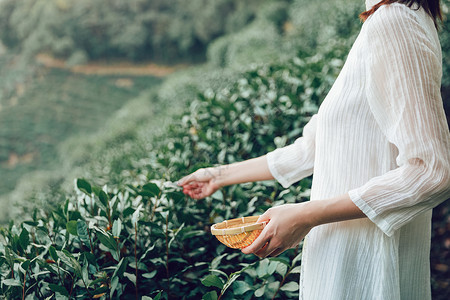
[[432, 7]]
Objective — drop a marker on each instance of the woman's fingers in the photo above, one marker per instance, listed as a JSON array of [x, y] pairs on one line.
[[197, 190], [262, 240], [265, 217], [186, 179], [285, 228], [257, 246], [199, 184], [277, 252], [201, 175]]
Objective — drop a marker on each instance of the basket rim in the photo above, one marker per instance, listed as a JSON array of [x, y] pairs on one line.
[[251, 221]]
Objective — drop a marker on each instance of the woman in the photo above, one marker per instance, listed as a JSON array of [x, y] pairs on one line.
[[379, 148]]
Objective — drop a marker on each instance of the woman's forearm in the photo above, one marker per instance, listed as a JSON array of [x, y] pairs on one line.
[[255, 169], [335, 209]]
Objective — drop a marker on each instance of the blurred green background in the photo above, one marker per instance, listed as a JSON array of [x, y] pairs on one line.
[[87, 88]]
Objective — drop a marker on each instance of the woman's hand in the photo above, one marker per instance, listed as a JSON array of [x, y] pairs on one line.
[[290, 223], [287, 225], [205, 182], [201, 183]]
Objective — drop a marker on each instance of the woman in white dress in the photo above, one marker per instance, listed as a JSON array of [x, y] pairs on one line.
[[379, 152]]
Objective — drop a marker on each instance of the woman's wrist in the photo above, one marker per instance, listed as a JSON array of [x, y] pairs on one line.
[[219, 176], [310, 213], [251, 170]]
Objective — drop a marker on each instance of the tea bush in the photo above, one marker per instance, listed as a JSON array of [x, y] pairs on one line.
[[141, 240], [148, 239]]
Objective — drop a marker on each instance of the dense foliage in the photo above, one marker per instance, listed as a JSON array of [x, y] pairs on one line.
[[137, 29], [143, 238]]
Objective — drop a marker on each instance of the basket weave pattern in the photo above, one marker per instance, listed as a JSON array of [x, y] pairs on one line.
[[238, 233]]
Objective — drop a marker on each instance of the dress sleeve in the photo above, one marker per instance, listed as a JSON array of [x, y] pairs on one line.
[[403, 91], [296, 161]]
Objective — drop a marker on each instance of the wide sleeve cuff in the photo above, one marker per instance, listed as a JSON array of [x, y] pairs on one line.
[[370, 213], [296, 161], [278, 158]]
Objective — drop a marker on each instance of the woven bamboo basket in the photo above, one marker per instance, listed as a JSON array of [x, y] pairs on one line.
[[238, 233]]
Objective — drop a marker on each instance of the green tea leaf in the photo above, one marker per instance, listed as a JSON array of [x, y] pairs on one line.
[[84, 186], [24, 239], [297, 258], [136, 215], [100, 290], [210, 296], [175, 235], [9, 257], [114, 284], [131, 277], [231, 279], [58, 289], [282, 269], [280, 260], [149, 275], [259, 292], [213, 280], [31, 223], [53, 253], [262, 268], [241, 287], [157, 297], [117, 228], [120, 269], [104, 198], [71, 227], [82, 232], [127, 212], [2, 261], [272, 267], [25, 265], [291, 286], [85, 271], [151, 188], [106, 239], [91, 258], [11, 282], [70, 260]]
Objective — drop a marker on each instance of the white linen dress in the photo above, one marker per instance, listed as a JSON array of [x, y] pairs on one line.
[[381, 136]]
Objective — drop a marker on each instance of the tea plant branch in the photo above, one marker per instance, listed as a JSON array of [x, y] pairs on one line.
[[24, 283], [90, 240], [108, 212], [282, 281], [92, 248], [230, 279], [40, 296], [167, 256], [12, 272], [87, 289], [59, 273], [155, 205], [135, 258], [287, 273], [71, 287]]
